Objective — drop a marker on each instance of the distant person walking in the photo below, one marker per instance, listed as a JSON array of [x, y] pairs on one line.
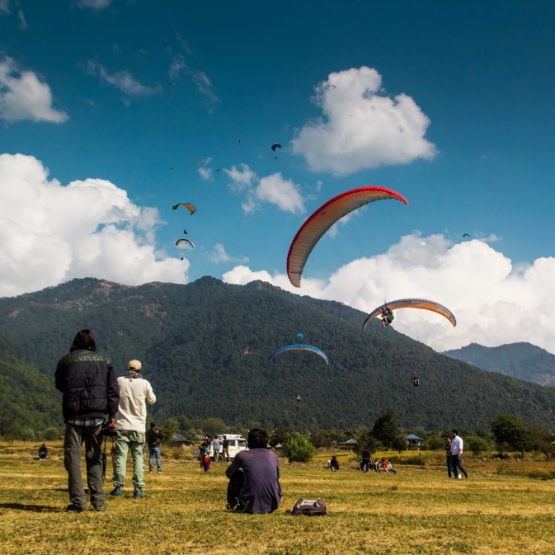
[[90, 391], [205, 453], [457, 445], [225, 449], [366, 460], [448, 457], [135, 392], [153, 437], [216, 445]]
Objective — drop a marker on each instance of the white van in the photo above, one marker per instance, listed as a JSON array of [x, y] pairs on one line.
[[237, 443]]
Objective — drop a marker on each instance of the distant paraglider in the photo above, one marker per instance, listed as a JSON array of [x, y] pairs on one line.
[[185, 232], [187, 205], [300, 335], [466, 235], [309, 348], [415, 381], [179, 241], [171, 84], [298, 398], [409, 303], [328, 214], [274, 146]]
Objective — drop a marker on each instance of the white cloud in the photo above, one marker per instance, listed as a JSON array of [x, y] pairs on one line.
[[22, 21], [361, 126], [219, 255], [495, 302], [206, 173], [24, 97], [122, 80], [51, 233], [94, 4], [4, 7], [179, 67], [273, 189]]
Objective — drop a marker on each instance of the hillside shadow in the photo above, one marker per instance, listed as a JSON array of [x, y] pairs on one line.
[[31, 508]]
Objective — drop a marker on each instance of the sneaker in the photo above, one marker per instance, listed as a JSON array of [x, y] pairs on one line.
[[138, 493], [449, 477], [101, 507], [159, 471], [459, 477], [76, 508], [150, 470], [116, 491]]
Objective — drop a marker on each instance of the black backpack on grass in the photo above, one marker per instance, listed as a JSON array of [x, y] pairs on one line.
[[309, 507]]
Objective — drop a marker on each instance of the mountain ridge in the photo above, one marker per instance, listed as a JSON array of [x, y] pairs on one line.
[[205, 347]]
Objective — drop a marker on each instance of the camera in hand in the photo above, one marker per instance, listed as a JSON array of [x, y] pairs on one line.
[[107, 431]]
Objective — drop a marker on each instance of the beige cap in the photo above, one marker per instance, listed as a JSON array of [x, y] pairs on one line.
[[134, 365]]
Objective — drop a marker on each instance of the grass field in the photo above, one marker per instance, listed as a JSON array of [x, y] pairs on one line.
[[418, 510]]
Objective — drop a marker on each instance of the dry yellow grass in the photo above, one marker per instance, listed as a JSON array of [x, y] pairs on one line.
[[415, 511]]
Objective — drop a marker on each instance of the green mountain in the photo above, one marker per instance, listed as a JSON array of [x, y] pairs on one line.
[[28, 398], [518, 360], [205, 348]]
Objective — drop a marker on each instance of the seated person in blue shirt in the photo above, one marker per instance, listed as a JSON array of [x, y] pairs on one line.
[[254, 477], [43, 452]]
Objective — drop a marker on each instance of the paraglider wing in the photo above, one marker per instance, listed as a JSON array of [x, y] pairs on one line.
[[316, 225], [179, 241], [310, 348], [412, 303], [466, 235], [300, 335], [171, 84], [274, 146], [187, 205]]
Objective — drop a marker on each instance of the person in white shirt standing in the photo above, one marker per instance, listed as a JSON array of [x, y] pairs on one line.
[[457, 446], [131, 421]]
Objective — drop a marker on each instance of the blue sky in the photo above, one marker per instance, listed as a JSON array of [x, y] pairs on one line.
[[482, 73]]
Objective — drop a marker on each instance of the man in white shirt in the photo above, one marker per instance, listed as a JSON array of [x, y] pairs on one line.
[[457, 446], [131, 420], [216, 444]]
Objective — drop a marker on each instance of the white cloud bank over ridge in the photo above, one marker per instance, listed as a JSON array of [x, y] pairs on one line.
[[494, 301], [361, 126], [220, 256], [52, 233], [24, 97], [273, 189]]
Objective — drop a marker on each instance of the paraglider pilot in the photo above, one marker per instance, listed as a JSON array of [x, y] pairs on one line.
[[415, 381], [387, 317]]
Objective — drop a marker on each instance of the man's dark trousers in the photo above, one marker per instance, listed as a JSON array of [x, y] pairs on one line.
[[74, 437], [456, 463]]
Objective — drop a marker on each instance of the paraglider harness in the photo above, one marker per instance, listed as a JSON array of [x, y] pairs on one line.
[[309, 507], [415, 381], [106, 433], [387, 317]]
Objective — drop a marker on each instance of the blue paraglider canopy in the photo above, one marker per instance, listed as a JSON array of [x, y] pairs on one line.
[[310, 348], [300, 335]]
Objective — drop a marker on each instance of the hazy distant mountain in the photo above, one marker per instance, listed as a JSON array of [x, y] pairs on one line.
[[519, 360], [205, 348]]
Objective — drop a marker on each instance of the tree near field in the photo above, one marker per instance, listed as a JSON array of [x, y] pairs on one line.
[[399, 443], [280, 436], [385, 428], [509, 430], [169, 428], [299, 449], [477, 444], [365, 440], [321, 439]]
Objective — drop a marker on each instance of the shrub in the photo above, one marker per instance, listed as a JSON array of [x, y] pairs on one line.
[[51, 434], [477, 444], [300, 449]]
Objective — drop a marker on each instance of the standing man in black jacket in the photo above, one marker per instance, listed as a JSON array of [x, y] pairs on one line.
[[90, 391]]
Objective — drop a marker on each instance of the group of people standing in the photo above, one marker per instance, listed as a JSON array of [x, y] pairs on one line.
[[91, 391], [207, 447]]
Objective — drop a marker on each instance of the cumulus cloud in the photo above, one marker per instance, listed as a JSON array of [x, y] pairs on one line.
[[219, 256], [495, 301], [180, 67], [204, 169], [52, 233], [94, 4], [361, 126], [4, 7], [122, 80], [24, 97], [273, 189]]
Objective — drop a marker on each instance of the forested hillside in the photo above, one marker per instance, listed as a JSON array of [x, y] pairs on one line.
[[28, 399], [205, 348], [519, 360]]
